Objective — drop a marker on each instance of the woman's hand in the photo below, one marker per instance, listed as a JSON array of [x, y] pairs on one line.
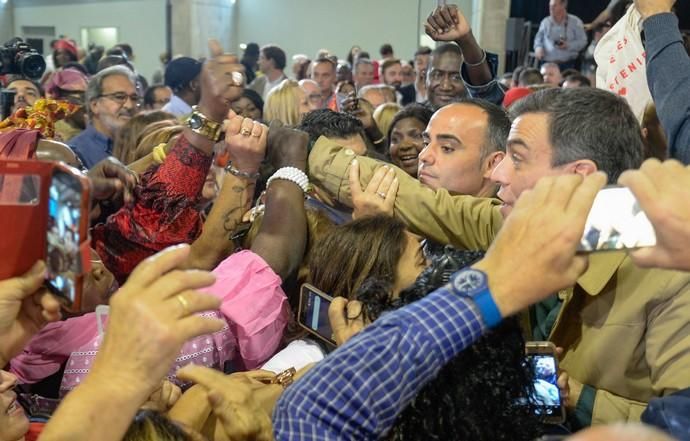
[[245, 141], [379, 195], [346, 319], [163, 398]]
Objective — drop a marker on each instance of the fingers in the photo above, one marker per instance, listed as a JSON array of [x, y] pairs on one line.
[[263, 135], [155, 266], [50, 306], [193, 302], [392, 193], [214, 48], [354, 310], [563, 385], [203, 376], [447, 16], [195, 325], [233, 124], [353, 177], [431, 20], [246, 127], [378, 178], [27, 284], [177, 281], [337, 315]]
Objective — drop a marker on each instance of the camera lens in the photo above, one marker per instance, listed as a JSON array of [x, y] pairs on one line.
[[31, 65]]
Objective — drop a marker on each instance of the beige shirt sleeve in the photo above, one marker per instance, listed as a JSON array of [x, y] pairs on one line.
[[610, 408], [463, 221]]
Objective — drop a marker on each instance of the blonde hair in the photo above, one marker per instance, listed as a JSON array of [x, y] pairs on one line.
[[384, 114], [162, 132], [282, 103]]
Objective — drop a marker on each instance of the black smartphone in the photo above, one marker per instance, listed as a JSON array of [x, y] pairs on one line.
[[313, 313], [616, 222], [547, 397], [65, 234]]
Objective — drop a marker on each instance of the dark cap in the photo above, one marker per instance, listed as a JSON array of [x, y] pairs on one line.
[[181, 71]]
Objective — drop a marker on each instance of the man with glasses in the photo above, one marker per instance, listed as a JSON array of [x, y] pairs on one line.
[[111, 100]]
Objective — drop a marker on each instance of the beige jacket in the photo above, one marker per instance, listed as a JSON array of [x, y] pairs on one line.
[[625, 331]]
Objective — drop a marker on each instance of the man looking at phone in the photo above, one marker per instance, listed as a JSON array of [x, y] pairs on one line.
[[112, 99], [561, 36], [556, 132], [363, 72]]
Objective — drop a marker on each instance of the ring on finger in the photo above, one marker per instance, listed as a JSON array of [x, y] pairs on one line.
[[245, 132], [381, 194], [185, 304]]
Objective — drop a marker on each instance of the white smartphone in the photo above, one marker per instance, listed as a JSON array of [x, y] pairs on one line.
[[616, 222]]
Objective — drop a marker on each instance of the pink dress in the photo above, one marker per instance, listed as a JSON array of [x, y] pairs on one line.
[[254, 307]]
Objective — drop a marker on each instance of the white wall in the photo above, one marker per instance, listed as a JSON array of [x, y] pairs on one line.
[[140, 23], [305, 26]]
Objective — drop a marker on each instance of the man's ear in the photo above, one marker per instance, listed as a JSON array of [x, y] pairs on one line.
[[92, 106], [491, 162], [584, 167]]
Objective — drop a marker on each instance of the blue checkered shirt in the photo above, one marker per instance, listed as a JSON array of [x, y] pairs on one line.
[[357, 392]]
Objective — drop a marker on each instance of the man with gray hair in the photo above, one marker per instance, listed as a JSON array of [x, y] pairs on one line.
[[111, 100], [363, 71]]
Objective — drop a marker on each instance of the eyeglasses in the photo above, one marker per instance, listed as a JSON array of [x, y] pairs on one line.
[[121, 98]]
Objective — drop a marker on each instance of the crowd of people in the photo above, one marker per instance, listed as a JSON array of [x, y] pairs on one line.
[[438, 207]]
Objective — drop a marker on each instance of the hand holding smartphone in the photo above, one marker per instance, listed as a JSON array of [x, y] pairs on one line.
[[44, 209], [313, 313]]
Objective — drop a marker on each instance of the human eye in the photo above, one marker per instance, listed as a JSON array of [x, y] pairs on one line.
[[447, 149]]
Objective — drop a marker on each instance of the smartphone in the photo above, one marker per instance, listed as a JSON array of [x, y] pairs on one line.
[[313, 313], [547, 397], [616, 222], [45, 206]]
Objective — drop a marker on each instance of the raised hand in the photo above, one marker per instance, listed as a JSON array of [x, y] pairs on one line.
[[222, 81], [447, 23], [245, 141]]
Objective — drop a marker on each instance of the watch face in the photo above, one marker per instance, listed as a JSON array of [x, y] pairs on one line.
[[469, 281], [195, 121]]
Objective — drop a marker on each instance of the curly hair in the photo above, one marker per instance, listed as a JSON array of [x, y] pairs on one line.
[[482, 394]]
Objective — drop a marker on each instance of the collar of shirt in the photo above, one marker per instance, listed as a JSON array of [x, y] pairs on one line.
[[602, 267], [177, 106]]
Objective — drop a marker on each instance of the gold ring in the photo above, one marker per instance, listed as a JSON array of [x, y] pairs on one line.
[[245, 132], [185, 304]]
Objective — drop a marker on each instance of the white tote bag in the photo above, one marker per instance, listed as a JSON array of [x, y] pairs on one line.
[[621, 66]]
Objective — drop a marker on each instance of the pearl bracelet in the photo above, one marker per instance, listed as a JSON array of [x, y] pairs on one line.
[[291, 174]]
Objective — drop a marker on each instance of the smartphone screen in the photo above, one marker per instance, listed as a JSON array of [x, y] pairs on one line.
[[313, 312], [616, 222], [62, 244], [547, 397]]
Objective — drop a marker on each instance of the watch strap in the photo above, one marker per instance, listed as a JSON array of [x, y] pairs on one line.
[[487, 308]]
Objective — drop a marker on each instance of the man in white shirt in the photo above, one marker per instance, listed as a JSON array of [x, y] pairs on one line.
[[271, 64]]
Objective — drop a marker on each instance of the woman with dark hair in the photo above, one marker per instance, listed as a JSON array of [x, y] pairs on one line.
[[485, 389], [352, 55], [65, 51], [249, 105], [405, 136]]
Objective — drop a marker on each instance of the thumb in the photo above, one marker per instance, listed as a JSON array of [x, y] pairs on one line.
[[28, 283], [355, 186]]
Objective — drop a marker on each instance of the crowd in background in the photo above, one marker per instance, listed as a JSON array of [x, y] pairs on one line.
[[439, 204]]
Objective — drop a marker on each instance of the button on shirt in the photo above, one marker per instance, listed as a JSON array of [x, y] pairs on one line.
[[91, 146], [177, 106], [358, 391], [572, 31]]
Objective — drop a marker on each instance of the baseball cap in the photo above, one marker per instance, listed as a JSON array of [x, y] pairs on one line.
[[180, 71]]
